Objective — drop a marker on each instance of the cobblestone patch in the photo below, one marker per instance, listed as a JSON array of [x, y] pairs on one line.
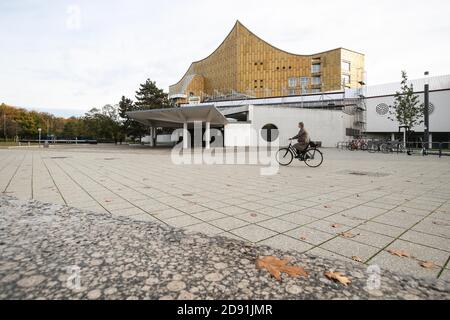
[[55, 252]]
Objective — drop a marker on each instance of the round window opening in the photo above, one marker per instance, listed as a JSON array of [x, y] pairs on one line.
[[269, 132], [431, 108], [382, 109]]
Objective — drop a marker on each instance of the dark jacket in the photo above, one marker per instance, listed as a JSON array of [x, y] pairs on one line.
[[302, 137]]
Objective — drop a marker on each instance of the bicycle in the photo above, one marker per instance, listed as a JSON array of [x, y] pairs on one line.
[[374, 146], [358, 144], [393, 146], [312, 156]]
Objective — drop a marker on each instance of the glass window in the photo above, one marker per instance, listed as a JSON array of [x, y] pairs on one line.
[[292, 92], [315, 90], [345, 66], [315, 68], [304, 81], [316, 80], [345, 79], [292, 82]]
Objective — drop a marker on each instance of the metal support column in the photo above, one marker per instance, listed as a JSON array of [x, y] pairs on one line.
[[185, 135], [208, 135]]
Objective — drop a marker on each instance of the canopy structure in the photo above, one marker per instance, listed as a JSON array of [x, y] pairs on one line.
[[180, 118], [176, 117]]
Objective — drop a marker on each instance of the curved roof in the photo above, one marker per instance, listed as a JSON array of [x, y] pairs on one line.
[[235, 27]]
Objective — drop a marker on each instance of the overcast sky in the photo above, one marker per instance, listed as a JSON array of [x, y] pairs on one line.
[[75, 55]]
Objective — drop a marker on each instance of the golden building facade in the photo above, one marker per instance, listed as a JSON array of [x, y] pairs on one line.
[[246, 66]]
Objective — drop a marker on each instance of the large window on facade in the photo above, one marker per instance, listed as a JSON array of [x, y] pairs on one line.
[[292, 82], [304, 81], [345, 66], [316, 80], [315, 68], [345, 79]]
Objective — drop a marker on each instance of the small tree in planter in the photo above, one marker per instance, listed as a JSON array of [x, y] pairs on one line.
[[407, 109]]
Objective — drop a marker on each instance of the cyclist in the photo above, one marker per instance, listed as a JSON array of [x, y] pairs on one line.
[[302, 141]]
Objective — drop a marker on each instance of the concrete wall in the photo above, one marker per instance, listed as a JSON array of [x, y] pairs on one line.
[[327, 126], [238, 134], [439, 119]]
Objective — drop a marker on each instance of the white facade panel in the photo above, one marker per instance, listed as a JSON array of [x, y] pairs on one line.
[[327, 126], [439, 118], [237, 135]]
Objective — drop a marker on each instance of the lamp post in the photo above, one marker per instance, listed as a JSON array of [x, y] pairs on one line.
[[40, 130], [426, 131]]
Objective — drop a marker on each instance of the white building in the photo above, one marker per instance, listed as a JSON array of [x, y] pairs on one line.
[[379, 98], [329, 117]]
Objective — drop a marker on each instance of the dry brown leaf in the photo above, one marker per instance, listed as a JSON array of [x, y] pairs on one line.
[[399, 253], [357, 259], [327, 207], [335, 225], [254, 215], [276, 266], [337, 276], [427, 264], [440, 223], [303, 238], [348, 235]]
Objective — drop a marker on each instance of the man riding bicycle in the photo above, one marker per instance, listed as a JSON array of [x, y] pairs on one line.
[[302, 141]]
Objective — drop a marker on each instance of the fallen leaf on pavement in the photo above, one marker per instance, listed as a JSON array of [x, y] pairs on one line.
[[399, 253], [440, 223], [254, 215], [348, 235], [427, 264], [303, 238], [357, 259], [335, 225], [327, 207], [337, 276], [276, 266]]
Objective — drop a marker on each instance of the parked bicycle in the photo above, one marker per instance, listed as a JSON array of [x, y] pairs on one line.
[[312, 156], [358, 144], [374, 146], [392, 146]]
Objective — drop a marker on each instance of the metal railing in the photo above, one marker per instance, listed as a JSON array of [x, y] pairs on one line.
[[396, 146], [431, 148], [62, 141]]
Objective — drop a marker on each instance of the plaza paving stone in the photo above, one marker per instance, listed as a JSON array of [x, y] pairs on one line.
[[400, 199], [51, 251]]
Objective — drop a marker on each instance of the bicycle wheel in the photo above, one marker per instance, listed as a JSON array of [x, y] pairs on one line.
[[364, 147], [400, 148], [373, 148], [385, 148], [313, 158], [284, 156]]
